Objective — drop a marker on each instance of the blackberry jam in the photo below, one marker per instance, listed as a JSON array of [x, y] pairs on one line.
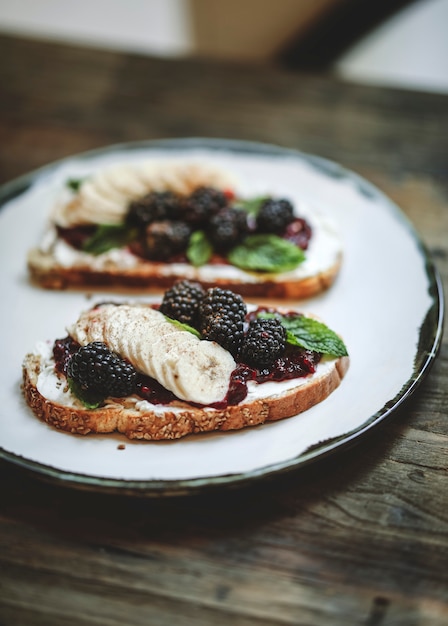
[[63, 350], [149, 389]]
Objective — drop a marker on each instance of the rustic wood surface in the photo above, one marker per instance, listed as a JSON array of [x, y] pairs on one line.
[[361, 538]]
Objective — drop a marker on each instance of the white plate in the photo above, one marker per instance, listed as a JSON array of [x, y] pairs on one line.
[[386, 303]]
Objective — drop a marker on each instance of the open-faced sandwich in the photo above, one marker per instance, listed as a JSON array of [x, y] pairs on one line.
[[198, 361], [149, 224]]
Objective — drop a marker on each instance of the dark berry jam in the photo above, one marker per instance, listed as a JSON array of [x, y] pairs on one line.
[[63, 349], [295, 363], [149, 389], [238, 383], [237, 386], [299, 233], [77, 235], [252, 315]]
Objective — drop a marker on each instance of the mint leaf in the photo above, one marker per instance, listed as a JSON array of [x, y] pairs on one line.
[[310, 334], [251, 205], [90, 399], [183, 326], [266, 253], [108, 236], [74, 183], [199, 249]]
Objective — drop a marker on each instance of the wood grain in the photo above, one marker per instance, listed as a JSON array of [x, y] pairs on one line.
[[360, 538]]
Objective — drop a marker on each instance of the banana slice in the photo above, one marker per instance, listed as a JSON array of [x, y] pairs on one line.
[[194, 370], [104, 197], [121, 183]]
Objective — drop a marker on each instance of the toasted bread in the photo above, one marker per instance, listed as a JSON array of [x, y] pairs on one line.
[[51, 274], [198, 372], [174, 422]]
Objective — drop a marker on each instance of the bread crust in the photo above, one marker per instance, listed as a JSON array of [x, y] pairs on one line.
[[146, 275], [154, 425]]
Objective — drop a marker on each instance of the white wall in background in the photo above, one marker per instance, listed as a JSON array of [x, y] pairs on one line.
[[158, 27], [410, 50]]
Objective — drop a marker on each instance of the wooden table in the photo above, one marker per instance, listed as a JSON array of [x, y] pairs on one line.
[[361, 538]]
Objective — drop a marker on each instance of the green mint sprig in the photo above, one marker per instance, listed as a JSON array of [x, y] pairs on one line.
[[250, 205], [310, 334], [90, 399], [199, 250], [183, 326], [108, 236], [266, 253], [74, 183]]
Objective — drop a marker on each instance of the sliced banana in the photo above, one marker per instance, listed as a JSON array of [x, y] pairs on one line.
[[104, 197], [194, 370], [123, 183]]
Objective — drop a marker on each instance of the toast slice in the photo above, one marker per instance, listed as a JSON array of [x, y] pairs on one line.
[[101, 234], [177, 420], [185, 382]]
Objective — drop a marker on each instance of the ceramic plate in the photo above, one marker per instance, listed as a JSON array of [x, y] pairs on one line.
[[386, 303]]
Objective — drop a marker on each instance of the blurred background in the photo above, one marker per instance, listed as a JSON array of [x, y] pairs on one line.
[[381, 42]]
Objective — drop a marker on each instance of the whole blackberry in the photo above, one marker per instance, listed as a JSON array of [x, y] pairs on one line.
[[264, 342], [274, 216], [95, 368], [181, 302], [155, 206], [221, 318], [165, 239], [202, 204], [227, 228]]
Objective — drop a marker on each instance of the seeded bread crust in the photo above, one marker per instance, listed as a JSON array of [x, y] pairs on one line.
[[48, 273], [155, 425]]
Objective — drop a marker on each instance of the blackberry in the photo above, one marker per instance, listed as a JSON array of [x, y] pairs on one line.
[[203, 203], [227, 228], [274, 216], [264, 343], [181, 302], [155, 206], [95, 368], [165, 239], [221, 318]]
